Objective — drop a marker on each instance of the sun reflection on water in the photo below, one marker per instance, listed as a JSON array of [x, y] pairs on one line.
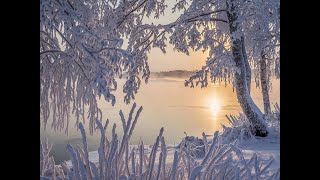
[[215, 106]]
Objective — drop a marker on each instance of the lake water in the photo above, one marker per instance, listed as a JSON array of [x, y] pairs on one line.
[[166, 103]]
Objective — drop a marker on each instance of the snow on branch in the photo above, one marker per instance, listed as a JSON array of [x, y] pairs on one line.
[[82, 53], [82, 56]]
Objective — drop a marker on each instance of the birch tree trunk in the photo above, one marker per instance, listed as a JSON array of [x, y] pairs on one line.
[[249, 108], [247, 65], [264, 84]]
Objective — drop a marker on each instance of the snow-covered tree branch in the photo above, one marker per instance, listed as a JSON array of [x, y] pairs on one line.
[[230, 31], [82, 54], [82, 51]]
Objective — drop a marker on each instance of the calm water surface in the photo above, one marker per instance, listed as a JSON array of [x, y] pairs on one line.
[[166, 103]]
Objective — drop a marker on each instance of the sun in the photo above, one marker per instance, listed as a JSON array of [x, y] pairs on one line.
[[215, 107]]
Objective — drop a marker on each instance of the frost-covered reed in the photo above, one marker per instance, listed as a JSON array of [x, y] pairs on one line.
[[118, 160]]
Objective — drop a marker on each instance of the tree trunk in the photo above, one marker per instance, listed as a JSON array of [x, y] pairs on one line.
[[249, 108], [247, 65], [264, 84]]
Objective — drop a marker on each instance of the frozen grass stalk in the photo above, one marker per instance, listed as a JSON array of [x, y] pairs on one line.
[[221, 161], [85, 147]]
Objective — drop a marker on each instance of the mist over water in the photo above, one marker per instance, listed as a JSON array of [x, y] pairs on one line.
[[166, 103]]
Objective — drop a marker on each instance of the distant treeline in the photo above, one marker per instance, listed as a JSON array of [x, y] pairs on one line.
[[174, 74]]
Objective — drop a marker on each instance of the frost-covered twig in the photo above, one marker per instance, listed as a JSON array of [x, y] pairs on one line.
[[222, 160]]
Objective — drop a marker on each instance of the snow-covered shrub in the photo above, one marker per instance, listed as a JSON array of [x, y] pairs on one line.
[[117, 160], [45, 161], [240, 127], [196, 145], [47, 164]]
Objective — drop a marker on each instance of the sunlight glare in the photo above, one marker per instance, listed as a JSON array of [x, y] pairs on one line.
[[215, 107]]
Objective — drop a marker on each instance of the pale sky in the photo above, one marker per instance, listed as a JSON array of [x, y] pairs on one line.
[[173, 60]]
